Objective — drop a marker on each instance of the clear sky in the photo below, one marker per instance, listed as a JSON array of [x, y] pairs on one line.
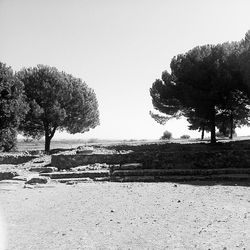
[[119, 47]]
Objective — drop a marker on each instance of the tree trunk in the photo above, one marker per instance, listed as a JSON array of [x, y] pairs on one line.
[[202, 133], [49, 133], [212, 127], [231, 127], [47, 143]]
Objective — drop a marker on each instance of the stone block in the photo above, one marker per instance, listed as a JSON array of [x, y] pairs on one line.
[[43, 169], [37, 180], [79, 174], [16, 159], [7, 175]]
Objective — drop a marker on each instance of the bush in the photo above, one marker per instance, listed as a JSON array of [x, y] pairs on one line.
[[166, 135], [223, 136], [220, 135], [185, 137], [8, 139]]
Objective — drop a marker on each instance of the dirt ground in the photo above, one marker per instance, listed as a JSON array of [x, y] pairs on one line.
[[125, 216]]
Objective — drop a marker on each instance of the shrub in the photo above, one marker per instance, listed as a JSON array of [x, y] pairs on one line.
[[223, 136], [13, 107], [220, 135], [8, 139], [166, 135], [185, 137]]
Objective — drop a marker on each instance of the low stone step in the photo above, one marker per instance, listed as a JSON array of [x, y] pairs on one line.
[[179, 172], [128, 166], [183, 178], [87, 179], [79, 174], [72, 180]]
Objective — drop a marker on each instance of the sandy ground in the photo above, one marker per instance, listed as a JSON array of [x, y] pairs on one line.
[[126, 216]]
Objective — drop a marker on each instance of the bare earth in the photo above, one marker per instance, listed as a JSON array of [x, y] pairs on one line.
[[126, 216]]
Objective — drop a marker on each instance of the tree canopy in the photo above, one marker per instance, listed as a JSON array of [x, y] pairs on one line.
[[207, 86], [57, 101], [13, 107]]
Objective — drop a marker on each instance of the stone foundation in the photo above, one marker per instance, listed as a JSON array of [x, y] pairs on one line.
[[161, 160], [16, 159]]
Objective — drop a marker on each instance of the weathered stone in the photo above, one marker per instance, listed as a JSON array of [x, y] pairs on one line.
[[43, 169], [85, 150], [168, 160], [83, 174], [180, 172], [102, 179], [49, 170], [183, 178], [20, 178], [128, 166], [7, 175], [28, 186], [96, 166], [39, 161], [16, 159], [70, 182], [38, 180], [73, 180]]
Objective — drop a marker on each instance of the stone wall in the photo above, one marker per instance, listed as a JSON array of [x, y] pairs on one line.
[[70, 161], [7, 175], [15, 159], [161, 160]]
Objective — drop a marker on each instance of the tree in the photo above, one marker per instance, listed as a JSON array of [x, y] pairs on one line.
[[12, 107], [165, 99], [234, 109], [166, 135], [58, 101], [197, 123], [197, 72], [200, 86], [244, 59], [234, 113]]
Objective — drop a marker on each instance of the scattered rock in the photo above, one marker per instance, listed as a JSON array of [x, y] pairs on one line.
[[85, 150], [38, 180], [39, 161], [70, 183], [102, 179], [36, 169], [131, 166], [49, 170], [20, 178], [28, 186]]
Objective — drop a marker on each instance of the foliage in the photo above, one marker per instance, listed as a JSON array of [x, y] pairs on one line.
[[165, 99], [166, 135], [8, 139], [159, 118], [185, 137], [57, 101], [12, 107], [244, 60], [205, 83]]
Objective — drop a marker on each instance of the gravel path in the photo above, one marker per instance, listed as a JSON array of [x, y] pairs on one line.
[[126, 216]]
